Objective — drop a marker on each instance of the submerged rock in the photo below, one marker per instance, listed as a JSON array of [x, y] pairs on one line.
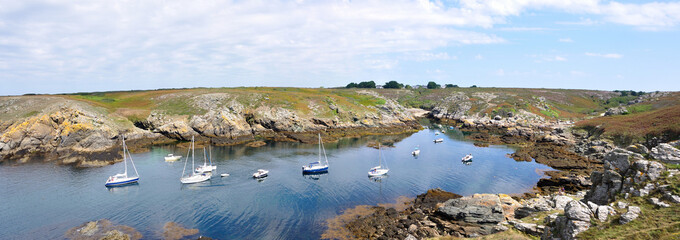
[[102, 229], [172, 231]]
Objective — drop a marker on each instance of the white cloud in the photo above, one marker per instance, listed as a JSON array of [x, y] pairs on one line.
[[604, 55], [479, 57], [500, 73], [523, 29], [582, 22], [567, 40], [539, 58], [558, 58]]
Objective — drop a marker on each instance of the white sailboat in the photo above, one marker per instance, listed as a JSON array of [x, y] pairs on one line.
[[123, 178], [194, 177], [438, 140], [205, 167], [318, 166], [380, 169], [467, 158]]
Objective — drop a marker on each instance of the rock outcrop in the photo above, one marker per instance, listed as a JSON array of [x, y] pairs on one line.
[[666, 153], [73, 132]]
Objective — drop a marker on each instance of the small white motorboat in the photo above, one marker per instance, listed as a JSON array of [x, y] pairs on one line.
[[438, 140], [260, 173], [443, 131], [467, 158], [436, 133], [224, 174], [416, 152], [172, 158]]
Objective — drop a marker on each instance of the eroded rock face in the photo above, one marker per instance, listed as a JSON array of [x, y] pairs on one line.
[[479, 209], [69, 134], [666, 153]]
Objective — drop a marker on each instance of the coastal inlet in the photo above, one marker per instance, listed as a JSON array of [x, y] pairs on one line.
[[44, 201]]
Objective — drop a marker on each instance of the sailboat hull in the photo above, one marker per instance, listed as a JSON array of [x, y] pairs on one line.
[[123, 181], [195, 178], [314, 169]]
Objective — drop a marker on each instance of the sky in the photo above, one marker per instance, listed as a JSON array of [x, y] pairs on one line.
[[66, 46]]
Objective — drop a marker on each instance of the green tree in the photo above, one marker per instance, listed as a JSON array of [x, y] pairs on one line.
[[451, 86], [369, 84], [351, 85], [473, 86], [408, 87], [433, 85], [393, 84]]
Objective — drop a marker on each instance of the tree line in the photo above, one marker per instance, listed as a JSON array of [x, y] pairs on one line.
[[397, 85]]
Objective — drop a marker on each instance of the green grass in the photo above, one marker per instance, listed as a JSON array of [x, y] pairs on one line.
[[658, 122], [639, 108]]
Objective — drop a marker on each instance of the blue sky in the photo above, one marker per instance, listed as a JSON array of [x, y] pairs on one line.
[[72, 46]]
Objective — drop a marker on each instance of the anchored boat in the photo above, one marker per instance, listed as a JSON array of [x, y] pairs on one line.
[[194, 177], [172, 158], [123, 178], [318, 166], [380, 169]]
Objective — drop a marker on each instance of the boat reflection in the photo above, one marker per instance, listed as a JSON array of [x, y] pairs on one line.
[[314, 176], [378, 179], [122, 188]]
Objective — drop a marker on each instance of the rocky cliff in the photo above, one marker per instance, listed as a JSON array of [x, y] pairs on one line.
[[85, 130]]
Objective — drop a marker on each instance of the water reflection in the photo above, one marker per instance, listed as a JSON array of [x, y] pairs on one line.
[[284, 205]]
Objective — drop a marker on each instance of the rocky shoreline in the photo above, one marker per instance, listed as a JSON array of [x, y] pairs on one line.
[[599, 182], [76, 134]]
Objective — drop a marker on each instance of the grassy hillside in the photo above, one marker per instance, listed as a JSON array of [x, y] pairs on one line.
[[304, 101], [656, 118], [548, 103]]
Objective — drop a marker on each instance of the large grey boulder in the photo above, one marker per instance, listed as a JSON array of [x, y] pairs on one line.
[[478, 209], [647, 170], [632, 214], [603, 213], [658, 202], [577, 210], [619, 160], [616, 111], [638, 148], [561, 201], [605, 186], [666, 153], [670, 197], [528, 228]]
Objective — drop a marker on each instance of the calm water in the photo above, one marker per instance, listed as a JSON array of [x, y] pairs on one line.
[[43, 200]]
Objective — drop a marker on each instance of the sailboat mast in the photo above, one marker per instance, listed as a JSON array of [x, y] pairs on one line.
[[379, 156], [193, 153], [319, 148], [124, 161], [323, 149]]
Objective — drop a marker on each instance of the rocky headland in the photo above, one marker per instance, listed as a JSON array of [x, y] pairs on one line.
[[82, 133]]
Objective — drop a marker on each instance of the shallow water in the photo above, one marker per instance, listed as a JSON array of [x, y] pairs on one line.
[[44, 200]]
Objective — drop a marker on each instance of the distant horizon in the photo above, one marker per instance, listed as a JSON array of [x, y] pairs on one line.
[[51, 47], [321, 87]]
